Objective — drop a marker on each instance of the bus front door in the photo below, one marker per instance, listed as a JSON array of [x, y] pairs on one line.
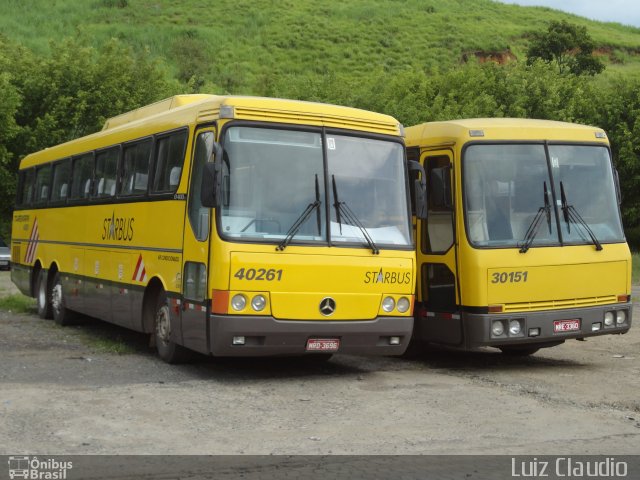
[[195, 257], [437, 315]]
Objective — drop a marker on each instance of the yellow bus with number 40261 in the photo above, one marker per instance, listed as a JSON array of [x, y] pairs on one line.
[[522, 246], [232, 226]]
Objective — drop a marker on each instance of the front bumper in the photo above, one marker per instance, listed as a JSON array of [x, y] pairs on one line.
[[477, 327], [267, 336]]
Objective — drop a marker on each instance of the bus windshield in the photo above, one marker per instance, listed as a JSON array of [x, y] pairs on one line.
[[275, 178], [514, 195]]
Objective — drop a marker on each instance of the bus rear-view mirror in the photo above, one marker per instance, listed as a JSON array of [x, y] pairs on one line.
[[418, 177]]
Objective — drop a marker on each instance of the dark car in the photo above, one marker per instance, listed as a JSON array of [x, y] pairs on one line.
[[5, 256]]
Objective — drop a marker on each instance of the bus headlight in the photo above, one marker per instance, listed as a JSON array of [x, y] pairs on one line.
[[497, 328], [258, 303], [238, 302], [403, 304], [388, 304], [514, 327], [609, 319], [621, 317]]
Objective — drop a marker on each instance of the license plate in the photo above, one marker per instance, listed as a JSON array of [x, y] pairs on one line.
[[4, 262], [566, 325], [323, 344]]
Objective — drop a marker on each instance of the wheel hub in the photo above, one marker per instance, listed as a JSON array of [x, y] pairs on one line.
[[163, 325], [56, 297]]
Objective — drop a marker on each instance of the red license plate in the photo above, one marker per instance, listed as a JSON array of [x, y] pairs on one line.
[[566, 325], [323, 344]]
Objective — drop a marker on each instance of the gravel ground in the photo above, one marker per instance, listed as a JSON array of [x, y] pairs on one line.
[[65, 390]]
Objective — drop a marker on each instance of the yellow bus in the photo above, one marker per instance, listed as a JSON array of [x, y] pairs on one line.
[[522, 246], [231, 226]]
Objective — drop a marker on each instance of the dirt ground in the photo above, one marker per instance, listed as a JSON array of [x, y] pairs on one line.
[[98, 389]]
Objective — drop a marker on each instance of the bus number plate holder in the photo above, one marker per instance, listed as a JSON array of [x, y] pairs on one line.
[[560, 326], [323, 344]]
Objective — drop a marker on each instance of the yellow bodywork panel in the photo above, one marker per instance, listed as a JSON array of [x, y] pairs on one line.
[[564, 284], [106, 241], [297, 282], [544, 278]]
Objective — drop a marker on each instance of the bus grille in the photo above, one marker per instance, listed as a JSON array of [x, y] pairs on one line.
[[559, 304]]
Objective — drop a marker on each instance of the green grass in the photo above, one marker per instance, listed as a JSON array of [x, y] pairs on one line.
[[635, 272], [240, 44], [18, 303], [101, 344], [99, 337]]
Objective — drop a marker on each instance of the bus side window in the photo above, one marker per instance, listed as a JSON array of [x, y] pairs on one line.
[[27, 184], [43, 184], [106, 169], [199, 215], [170, 151], [437, 238], [61, 179], [135, 168], [195, 281], [82, 176]]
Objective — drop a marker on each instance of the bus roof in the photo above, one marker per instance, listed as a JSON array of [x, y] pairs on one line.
[[486, 129], [183, 110]]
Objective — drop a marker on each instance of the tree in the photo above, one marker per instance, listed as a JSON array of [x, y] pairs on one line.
[[9, 103], [50, 100], [619, 115], [567, 45], [71, 93]]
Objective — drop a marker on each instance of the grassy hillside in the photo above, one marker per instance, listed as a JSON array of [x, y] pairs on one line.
[[239, 45]]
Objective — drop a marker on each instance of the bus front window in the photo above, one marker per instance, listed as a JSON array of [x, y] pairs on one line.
[[584, 174], [274, 181], [366, 176], [509, 197], [504, 190], [269, 179]]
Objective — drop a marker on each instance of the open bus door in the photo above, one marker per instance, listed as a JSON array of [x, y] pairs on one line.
[[437, 316]]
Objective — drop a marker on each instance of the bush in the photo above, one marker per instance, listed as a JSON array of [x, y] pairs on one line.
[[633, 238]]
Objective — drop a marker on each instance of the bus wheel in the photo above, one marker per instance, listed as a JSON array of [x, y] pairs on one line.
[[61, 315], [43, 296], [519, 351], [168, 350]]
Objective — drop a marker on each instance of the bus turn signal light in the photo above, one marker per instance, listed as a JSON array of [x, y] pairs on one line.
[[220, 301]]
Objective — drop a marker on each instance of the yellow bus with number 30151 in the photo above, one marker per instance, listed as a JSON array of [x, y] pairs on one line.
[[522, 246], [231, 226]]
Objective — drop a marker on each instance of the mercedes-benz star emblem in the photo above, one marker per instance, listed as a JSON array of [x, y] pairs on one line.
[[327, 306]]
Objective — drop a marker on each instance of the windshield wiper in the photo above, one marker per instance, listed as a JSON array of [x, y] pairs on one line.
[[532, 231], [336, 204], [303, 218], [347, 213], [570, 214]]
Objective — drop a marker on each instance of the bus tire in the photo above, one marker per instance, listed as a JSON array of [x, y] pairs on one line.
[[513, 351], [43, 296], [168, 350], [61, 314]]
